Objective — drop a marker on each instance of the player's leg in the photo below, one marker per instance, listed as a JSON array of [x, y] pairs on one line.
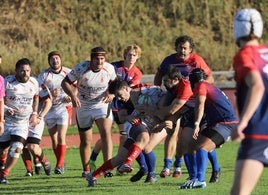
[[13, 155], [16, 136], [155, 139], [105, 129], [123, 135], [179, 157], [62, 127], [27, 160], [216, 171], [169, 150], [85, 149], [33, 145], [3, 155], [188, 146], [141, 136], [151, 164], [40, 160], [84, 119], [93, 157], [143, 168], [247, 174], [204, 145], [110, 164]]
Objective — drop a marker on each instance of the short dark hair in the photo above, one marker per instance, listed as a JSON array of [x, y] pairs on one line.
[[173, 72], [97, 51], [116, 85], [52, 53], [183, 39], [23, 61]]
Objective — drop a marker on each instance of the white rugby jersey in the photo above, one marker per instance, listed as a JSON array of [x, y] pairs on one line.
[[19, 97], [53, 82], [150, 95], [92, 85]]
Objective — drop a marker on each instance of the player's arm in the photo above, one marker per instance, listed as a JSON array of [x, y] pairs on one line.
[[2, 120], [68, 88], [46, 105], [33, 119], [199, 112], [175, 106], [253, 98]]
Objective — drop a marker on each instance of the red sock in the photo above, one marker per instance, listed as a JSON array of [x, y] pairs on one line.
[[3, 158], [4, 173], [87, 168], [107, 166], [133, 152], [27, 159], [28, 165], [61, 150]]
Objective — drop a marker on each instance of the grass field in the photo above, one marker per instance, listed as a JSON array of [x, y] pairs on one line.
[[72, 183], [72, 130]]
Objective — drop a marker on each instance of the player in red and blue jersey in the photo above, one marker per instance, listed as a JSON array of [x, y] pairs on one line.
[[213, 107], [250, 65], [185, 60]]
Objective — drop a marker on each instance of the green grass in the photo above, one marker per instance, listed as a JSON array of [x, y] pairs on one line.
[[72, 183], [72, 130]]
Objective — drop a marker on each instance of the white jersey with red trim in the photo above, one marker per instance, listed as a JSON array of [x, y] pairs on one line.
[[53, 82], [92, 85], [19, 97]]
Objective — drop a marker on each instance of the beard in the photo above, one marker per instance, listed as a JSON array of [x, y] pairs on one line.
[[23, 79]]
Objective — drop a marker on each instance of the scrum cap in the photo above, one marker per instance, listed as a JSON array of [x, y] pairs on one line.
[[248, 21], [196, 75]]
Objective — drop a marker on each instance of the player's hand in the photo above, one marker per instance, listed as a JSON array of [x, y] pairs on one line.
[[67, 99], [237, 134], [108, 98], [33, 120], [169, 124], [76, 102], [1, 128], [9, 112], [196, 131]]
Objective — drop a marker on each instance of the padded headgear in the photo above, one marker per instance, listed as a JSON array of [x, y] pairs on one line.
[[196, 75], [248, 21]]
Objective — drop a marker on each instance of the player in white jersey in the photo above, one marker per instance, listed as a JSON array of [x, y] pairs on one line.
[[92, 102], [21, 102], [35, 135], [57, 118]]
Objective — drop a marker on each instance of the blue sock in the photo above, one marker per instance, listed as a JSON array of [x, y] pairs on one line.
[[202, 160], [94, 156], [192, 166], [141, 160], [186, 161], [167, 163], [212, 156], [178, 161], [150, 161]]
